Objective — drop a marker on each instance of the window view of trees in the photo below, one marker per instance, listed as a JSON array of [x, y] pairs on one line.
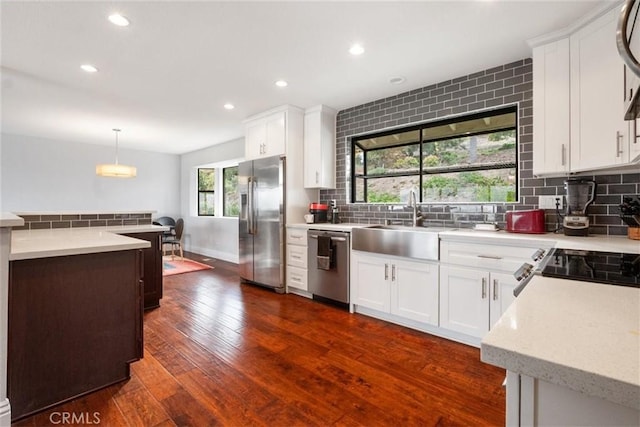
[[230, 201], [469, 159], [206, 191]]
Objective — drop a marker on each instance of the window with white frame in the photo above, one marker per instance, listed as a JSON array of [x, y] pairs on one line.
[[217, 191], [206, 191]]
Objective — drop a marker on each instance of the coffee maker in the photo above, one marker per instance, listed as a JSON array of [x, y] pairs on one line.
[[579, 194]]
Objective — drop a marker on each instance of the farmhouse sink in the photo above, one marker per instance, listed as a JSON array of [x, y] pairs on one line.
[[398, 240]]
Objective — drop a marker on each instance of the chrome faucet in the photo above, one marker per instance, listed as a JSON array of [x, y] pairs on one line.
[[416, 220]]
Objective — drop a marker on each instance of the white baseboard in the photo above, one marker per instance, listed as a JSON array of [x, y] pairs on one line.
[[422, 327], [224, 256]]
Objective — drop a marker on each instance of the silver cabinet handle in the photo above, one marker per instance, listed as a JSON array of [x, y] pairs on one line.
[[564, 155], [393, 272], [317, 177], [386, 271], [619, 137], [495, 289], [490, 256], [296, 256], [484, 288]]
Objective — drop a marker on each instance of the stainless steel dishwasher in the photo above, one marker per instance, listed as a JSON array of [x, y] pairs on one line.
[[328, 265]]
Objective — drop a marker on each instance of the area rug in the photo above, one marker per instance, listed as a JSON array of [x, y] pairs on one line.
[[179, 266]]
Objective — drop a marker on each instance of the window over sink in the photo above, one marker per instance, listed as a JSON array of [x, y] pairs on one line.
[[471, 158]]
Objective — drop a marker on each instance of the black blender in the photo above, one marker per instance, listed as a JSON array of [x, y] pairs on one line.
[[579, 194]]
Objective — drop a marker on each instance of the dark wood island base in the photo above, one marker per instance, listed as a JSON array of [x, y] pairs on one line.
[[75, 325]]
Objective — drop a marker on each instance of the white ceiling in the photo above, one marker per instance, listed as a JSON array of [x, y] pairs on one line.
[[164, 79]]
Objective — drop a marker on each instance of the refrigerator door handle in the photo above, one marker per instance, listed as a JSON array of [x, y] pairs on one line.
[[249, 206], [252, 210]]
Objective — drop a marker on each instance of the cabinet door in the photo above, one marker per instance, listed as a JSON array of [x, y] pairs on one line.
[[632, 84], [551, 108], [464, 305], [297, 256], [275, 135], [414, 291], [152, 266], [319, 148], [370, 281], [297, 278], [255, 139], [599, 134], [501, 292]]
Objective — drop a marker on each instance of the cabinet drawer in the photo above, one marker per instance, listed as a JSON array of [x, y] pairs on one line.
[[297, 278], [297, 256], [492, 257], [297, 236]]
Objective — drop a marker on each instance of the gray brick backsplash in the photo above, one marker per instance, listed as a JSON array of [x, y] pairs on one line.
[[502, 85], [39, 222]]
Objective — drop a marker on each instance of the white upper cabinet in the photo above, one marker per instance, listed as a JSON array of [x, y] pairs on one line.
[[320, 147], [551, 108], [632, 83], [599, 134], [271, 133], [265, 136], [579, 96]]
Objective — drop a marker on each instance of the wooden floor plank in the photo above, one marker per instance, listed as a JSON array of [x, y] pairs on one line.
[[218, 352]]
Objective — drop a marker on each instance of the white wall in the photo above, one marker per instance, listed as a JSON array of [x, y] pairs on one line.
[[216, 237], [45, 175]]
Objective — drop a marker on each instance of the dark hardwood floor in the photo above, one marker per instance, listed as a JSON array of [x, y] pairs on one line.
[[218, 352]]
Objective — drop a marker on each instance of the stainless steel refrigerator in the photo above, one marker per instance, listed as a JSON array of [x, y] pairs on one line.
[[261, 249]]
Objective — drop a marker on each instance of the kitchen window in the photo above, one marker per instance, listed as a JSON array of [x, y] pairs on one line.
[[206, 191], [471, 158]]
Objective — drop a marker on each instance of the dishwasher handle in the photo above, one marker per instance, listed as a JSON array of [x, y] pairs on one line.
[[334, 239]]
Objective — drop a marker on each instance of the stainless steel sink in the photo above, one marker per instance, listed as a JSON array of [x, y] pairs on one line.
[[398, 240]]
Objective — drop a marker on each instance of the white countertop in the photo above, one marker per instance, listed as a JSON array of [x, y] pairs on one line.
[[584, 336], [30, 244], [10, 220], [596, 242]]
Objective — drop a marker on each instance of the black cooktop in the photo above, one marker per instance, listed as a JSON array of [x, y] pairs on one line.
[[591, 266]]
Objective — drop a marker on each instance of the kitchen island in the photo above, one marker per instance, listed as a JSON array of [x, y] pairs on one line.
[[572, 353], [75, 314]]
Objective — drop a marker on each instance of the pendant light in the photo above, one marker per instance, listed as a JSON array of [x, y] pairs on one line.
[[116, 169]]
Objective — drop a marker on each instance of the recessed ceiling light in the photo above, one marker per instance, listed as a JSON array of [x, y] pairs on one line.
[[282, 83], [356, 49], [118, 20], [396, 80], [89, 68], [229, 106]]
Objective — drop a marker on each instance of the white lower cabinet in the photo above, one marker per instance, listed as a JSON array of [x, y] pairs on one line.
[[399, 286], [472, 300], [297, 273], [532, 401]]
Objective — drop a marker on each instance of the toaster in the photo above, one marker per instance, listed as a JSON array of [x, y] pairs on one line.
[[530, 221]]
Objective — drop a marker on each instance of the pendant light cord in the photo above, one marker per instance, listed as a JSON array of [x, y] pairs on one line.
[[117, 131]]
